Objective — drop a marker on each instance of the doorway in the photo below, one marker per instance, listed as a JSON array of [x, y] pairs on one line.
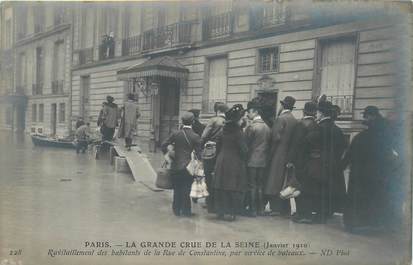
[[168, 107], [53, 116]]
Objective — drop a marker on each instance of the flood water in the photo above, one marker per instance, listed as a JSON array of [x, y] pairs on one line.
[[56, 199]]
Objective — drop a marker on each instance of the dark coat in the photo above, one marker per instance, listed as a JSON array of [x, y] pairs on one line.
[[110, 115], [182, 149], [281, 135], [305, 154], [333, 145], [198, 127], [230, 168], [258, 136], [370, 158]]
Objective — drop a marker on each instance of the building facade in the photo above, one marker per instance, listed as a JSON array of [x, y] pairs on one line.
[[40, 67], [175, 56]]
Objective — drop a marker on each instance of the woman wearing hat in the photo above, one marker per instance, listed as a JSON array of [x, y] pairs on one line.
[[230, 171]]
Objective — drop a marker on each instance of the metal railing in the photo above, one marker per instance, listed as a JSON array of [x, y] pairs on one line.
[[59, 18], [345, 102], [106, 51], [272, 16], [132, 45], [85, 55], [168, 36], [37, 89], [57, 87], [38, 28], [218, 26]]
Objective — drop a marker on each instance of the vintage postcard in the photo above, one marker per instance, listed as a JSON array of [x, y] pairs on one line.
[[206, 132]]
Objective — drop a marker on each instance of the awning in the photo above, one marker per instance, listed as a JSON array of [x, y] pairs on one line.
[[165, 66]]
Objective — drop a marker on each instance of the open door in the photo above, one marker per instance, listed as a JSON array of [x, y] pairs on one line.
[[169, 107]]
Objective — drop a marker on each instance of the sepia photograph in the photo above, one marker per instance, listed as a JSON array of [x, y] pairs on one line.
[[206, 132]]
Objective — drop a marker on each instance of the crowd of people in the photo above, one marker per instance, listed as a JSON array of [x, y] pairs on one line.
[[248, 161]]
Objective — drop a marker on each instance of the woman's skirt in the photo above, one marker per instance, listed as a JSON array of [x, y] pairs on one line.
[[227, 202]]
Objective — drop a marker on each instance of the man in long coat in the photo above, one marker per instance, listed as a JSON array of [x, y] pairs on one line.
[[331, 179], [305, 156], [281, 135], [370, 156], [130, 115], [109, 119]]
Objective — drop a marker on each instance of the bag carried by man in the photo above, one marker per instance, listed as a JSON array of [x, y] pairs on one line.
[[291, 186]]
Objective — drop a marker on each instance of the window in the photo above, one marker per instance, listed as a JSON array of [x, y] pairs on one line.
[[39, 71], [34, 113], [41, 112], [8, 32], [22, 71], [217, 83], [38, 13], [58, 68], [9, 116], [268, 60], [62, 112]]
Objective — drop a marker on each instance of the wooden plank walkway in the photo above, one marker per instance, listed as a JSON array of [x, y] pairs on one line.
[[141, 168]]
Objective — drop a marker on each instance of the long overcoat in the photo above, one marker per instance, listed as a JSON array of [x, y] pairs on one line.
[[129, 119], [371, 161], [333, 144], [305, 154], [281, 135], [230, 167]]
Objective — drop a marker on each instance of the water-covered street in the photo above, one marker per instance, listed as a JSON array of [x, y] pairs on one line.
[[55, 199]]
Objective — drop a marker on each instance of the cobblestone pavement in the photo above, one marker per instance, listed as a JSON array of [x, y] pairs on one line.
[[53, 199]]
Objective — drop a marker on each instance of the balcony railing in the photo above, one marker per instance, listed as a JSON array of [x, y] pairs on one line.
[[57, 87], [218, 26], [38, 28], [59, 18], [132, 45], [168, 36], [345, 102], [85, 56], [106, 51], [37, 89], [273, 16]]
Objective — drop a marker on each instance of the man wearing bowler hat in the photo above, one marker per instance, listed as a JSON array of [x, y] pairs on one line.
[[281, 135], [331, 178], [305, 156]]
